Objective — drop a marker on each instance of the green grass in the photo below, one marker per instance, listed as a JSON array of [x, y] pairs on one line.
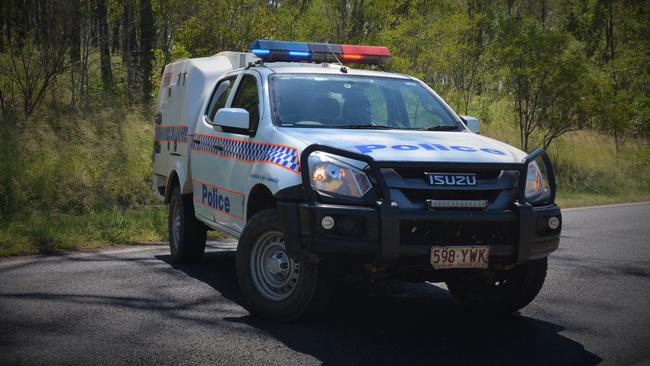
[[589, 173], [567, 200], [76, 163], [51, 233], [588, 170], [77, 181]]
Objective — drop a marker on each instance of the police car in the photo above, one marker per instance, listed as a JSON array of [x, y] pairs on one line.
[[320, 169]]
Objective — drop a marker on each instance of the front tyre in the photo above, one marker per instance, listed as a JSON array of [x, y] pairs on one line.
[[275, 285], [500, 291], [187, 235]]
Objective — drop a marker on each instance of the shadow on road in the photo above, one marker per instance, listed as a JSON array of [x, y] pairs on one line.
[[402, 324]]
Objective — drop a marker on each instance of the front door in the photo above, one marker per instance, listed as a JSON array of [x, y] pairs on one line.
[[214, 198]]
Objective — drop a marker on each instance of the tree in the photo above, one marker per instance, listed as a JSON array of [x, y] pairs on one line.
[[34, 56], [541, 69]]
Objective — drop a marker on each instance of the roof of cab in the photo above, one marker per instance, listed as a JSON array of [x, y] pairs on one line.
[[323, 68]]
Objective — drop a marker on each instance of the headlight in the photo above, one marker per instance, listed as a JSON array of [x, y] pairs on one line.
[[331, 174], [535, 183]]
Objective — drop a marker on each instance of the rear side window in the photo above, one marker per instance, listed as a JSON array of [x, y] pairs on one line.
[[248, 99], [219, 97]]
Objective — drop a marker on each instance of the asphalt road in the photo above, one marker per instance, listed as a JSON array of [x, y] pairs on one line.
[[132, 306]]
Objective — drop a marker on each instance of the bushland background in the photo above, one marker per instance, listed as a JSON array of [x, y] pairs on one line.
[[78, 82]]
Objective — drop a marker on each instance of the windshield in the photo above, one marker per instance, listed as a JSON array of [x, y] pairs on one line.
[[343, 101]]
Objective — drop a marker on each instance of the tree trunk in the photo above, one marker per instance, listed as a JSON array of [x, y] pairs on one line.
[[75, 51], [86, 44], [357, 20], [130, 52], [4, 24], [115, 45], [147, 35], [104, 45], [609, 31], [617, 144], [542, 12]]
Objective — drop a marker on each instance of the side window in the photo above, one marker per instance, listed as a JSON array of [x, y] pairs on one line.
[[219, 97], [248, 99]]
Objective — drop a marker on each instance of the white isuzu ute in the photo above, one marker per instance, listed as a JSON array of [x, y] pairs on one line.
[[320, 169]]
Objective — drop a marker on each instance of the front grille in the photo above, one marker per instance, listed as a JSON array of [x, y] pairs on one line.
[[419, 172], [494, 185], [457, 233]]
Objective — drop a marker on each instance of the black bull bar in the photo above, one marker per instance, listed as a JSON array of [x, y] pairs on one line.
[[390, 215]]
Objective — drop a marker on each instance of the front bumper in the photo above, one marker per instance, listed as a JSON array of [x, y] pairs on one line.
[[384, 232], [381, 235]]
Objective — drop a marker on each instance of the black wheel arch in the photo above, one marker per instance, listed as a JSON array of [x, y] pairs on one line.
[[172, 181], [259, 199]]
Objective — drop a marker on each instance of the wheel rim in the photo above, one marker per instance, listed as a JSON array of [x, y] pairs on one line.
[[275, 275], [175, 227]]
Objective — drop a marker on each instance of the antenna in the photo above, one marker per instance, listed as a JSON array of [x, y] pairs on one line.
[[329, 46], [343, 68]]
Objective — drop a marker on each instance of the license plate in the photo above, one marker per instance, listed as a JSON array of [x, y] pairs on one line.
[[460, 257]]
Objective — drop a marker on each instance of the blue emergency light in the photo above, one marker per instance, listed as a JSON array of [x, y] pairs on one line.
[[319, 52]]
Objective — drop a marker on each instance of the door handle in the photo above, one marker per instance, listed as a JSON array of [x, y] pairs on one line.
[[218, 147], [196, 141]]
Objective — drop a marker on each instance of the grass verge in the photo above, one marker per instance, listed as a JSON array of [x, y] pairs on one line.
[[573, 199], [42, 233]]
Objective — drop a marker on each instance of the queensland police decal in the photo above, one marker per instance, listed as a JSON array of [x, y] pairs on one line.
[[248, 151], [221, 200], [365, 149], [171, 133]]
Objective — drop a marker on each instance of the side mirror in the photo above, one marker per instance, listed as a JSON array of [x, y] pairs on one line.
[[472, 123], [233, 117]]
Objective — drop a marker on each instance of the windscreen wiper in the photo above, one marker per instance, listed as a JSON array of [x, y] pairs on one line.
[[441, 128], [366, 126]]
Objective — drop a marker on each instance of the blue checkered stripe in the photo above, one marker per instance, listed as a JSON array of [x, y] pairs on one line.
[[171, 133], [284, 156]]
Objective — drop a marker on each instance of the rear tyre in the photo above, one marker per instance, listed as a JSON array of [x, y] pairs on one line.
[[275, 285], [187, 235], [500, 291]]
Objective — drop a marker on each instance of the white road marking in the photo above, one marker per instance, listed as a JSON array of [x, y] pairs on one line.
[[606, 206]]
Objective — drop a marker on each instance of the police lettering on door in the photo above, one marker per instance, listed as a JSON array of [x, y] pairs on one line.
[[212, 197]]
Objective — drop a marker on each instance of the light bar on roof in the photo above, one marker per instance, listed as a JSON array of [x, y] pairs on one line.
[[319, 52]]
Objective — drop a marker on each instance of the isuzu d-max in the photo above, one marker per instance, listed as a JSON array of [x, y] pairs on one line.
[[320, 169]]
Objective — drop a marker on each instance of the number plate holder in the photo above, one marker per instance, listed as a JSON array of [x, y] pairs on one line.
[[467, 256]]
